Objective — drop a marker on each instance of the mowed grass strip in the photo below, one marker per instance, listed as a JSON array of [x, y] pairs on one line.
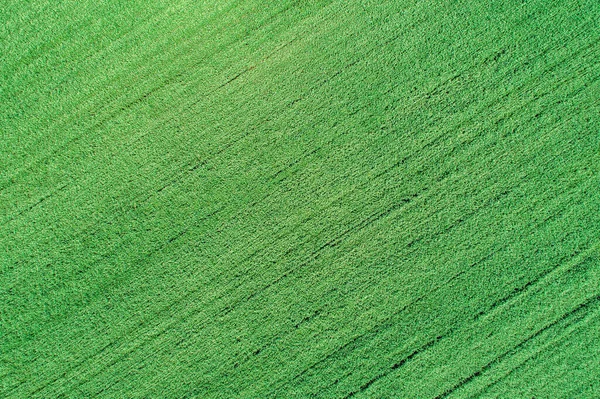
[[304, 199]]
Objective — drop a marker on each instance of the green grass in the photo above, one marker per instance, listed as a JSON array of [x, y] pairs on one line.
[[295, 199]]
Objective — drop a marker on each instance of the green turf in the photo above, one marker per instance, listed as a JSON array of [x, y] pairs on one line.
[[295, 199]]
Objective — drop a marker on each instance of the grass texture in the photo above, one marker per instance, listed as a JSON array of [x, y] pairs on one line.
[[297, 199]]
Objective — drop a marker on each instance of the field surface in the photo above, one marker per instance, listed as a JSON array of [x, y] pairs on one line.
[[300, 199]]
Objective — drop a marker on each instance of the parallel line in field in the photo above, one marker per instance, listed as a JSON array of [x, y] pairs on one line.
[[593, 301], [164, 311], [204, 304], [385, 324], [579, 319], [38, 202], [358, 227], [399, 364], [392, 39], [388, 322], [19, 65], [148, 339], [172, 304], [109, 345], [389, 41], [263, 346], [403, 160], [119, 109], [429, 344]]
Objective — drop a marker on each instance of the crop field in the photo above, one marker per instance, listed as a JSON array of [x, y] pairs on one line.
[[300, 199]]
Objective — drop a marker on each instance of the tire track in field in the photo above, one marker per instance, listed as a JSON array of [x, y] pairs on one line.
[[580, 319], [331, 243], [218, 152], [550, 274], [389, 322], [442, 177], [151, 18], [193, 167], [40, 201], [152, 337], [174, 79], [435, 90], [28, 58], [464, 123], [519, 291], [429, 344], [414, 353], [103, 349], [389, 41], [121, 108], [439, 179], [590, 302], [428, 144], [386, 323], [155, 19], [567, 316], [451, 332], [156, 335], [295, 162]]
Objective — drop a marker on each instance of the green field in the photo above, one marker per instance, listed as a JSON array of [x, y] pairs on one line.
[[298, 199]]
